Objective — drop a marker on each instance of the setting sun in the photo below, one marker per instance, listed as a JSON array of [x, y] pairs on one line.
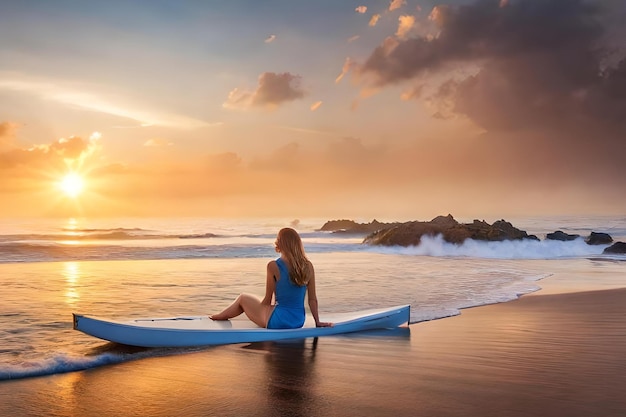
[[72, 184]]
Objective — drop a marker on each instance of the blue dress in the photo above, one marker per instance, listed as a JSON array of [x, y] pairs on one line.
[[289, 310]]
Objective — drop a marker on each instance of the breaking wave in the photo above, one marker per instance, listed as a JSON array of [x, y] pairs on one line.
[[509, 249]]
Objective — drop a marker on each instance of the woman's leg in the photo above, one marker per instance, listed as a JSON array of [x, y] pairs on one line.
[[258, 313], [231, 311]]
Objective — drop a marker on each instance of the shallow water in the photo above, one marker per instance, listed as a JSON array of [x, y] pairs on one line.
[[551, 356], [164, 276]]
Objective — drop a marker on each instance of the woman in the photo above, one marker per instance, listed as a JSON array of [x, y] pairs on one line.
[[289, 278]]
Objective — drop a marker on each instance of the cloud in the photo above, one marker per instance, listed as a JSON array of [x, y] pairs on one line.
[[70, 148], [534, 73], [405, 25], [361, 9], [64, 153], [86, 98], [273, 90], [396, 4], [270, 39], [413, 93], [540, 73], [483, 31], [353, 38], [316, 105], [374, 19], [347, 65], [342, 175]]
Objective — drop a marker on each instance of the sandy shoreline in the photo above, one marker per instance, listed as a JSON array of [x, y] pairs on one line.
[[542, 355]]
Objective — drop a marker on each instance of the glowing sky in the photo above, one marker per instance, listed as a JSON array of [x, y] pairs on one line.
[[360, 109]]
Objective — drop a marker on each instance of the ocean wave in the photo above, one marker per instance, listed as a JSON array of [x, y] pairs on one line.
[[102, 234], [198, 236], [116, 235], [56, 365], [106, 230], [64, 363], [13, 252], [51, 252], [508, 249]]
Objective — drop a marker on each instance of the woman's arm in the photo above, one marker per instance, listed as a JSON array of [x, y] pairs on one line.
[[313, 301], [273, 274]]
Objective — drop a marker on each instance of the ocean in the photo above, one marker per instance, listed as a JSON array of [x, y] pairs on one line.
[[129, 267]]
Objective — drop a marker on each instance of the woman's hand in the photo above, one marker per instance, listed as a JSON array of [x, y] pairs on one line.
[[324, 324]]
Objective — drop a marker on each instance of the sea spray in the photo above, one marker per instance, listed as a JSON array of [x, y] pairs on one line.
[[508, 249]]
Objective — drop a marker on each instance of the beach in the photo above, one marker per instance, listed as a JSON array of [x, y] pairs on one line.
[[466, 159], [541, 329], [542, 355]]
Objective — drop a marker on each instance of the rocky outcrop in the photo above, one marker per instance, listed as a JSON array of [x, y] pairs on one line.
[[617, 247], [599, 239], [410, 233], [350, 226], [562, 236], [595, 238], [405, 234]]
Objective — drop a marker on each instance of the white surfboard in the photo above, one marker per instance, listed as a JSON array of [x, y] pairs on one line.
[[201, 330]]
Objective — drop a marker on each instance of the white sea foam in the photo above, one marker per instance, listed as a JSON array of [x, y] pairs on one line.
[[508, 249], [61, 363], [64, 363]]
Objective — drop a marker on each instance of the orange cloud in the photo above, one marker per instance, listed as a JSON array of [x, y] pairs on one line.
[[535, 105], [273, 90], [412, 93], [30, 175], [72, 151], [439, 14], [405, 25], [332, 177], [396, 4], [347, 65], [374, 20], [316, 105]]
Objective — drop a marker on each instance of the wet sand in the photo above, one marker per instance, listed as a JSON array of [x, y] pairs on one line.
[[542, 355]]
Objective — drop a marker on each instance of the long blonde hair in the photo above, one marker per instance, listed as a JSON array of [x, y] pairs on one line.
[[290, 245]]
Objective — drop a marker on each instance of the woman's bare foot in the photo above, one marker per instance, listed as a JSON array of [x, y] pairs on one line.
[[217, 317]]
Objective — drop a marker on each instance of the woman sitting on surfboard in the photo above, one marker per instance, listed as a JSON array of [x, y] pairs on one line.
[[289, 278]]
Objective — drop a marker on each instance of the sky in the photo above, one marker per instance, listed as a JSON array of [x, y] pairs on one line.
[[395, 110]]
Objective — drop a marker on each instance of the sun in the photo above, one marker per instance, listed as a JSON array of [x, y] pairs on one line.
[[72, 184]]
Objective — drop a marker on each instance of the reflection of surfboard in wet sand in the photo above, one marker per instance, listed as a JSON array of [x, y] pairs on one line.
[[201, 330]]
